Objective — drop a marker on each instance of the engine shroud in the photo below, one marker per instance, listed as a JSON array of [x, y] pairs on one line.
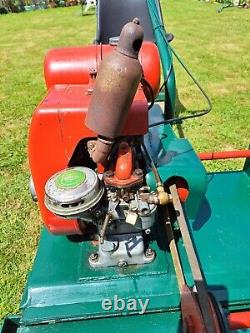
[[58, 123]]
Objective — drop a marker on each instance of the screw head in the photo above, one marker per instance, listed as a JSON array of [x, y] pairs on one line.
[[92, 71], [122, 263], [94, 257], [149, 253], [138, 172], [91, 144], [136, 20], [109, 173]]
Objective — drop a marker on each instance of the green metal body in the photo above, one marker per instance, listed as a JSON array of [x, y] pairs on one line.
[[166, 59], [175, 157]]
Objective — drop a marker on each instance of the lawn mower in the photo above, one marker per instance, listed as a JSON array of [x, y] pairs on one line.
[[137, 234]]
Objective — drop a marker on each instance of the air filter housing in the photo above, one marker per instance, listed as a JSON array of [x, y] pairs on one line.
[[73, 191]]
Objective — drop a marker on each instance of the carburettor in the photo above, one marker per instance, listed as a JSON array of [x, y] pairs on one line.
[[118, 213]]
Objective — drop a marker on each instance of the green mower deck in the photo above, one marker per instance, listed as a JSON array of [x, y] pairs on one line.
[[64, 294]]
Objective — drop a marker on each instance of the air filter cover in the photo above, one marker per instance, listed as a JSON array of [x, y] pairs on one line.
[[73, 191]]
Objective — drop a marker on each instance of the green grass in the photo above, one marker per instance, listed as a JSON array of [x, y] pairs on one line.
[[215, 46]]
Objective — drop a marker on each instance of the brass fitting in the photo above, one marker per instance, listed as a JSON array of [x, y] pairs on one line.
[[163, 197], [160, 197]]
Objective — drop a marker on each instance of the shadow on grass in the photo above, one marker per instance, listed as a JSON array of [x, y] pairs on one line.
[[180, 108]]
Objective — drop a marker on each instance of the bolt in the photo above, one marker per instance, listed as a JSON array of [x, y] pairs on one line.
[[109, 173], [124, 146], [136, 20], [138, 172], [150, 253], [145, 211], [122, 263], [91, 145], [92, 71], [94, 257]]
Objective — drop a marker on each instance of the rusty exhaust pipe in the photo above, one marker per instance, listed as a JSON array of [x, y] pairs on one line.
[[116, 84]]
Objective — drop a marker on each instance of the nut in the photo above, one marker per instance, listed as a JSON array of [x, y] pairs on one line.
[[94, 257], [138, 172], [91, 145], [150, 253], [122, 263], [109, 173]]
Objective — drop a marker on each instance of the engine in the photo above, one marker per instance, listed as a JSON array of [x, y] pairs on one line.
[[112, 199], [117, 203]]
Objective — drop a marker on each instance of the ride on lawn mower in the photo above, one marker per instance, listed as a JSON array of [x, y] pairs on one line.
[[138, 235]]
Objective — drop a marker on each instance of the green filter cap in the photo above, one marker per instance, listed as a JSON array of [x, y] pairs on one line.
[[70, 179]]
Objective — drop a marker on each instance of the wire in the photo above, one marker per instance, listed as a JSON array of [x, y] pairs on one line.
[[198, 113], [152, 165], [151, 92], [167, 78]]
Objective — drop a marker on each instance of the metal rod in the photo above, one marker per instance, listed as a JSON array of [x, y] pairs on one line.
[[104, 227], [174, 252], [217, 155], [199, 281]]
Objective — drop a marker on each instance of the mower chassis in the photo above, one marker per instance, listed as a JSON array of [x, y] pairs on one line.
[[65, 294]]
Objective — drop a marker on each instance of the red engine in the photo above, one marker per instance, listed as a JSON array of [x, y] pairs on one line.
[[58, 132]]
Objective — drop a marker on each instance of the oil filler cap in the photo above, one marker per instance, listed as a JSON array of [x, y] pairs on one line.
[[73, 191]]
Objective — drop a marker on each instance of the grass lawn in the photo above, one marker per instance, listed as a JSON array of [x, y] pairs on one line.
[[216, 47]]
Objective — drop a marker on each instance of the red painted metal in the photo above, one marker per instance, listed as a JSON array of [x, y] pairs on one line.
[[182, 187], [124, 174], [124, 163], [57, 127], [58, 121], [72, 65], [239, 320], [216, 155], [150, 61], [123, 183]]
